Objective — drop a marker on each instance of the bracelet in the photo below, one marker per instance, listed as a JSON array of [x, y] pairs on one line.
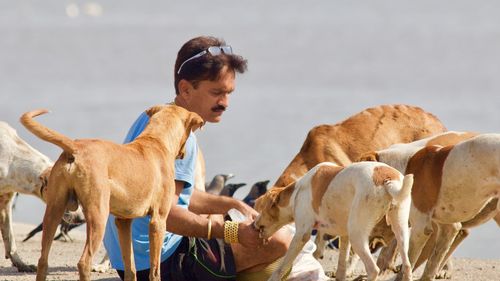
[[231, 232], [209, 235]]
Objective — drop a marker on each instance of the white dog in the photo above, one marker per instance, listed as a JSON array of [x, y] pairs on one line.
[[454, 188], [340, 201], [22, 169]]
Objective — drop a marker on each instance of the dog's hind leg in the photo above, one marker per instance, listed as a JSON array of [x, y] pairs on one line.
[[359, 233], [7, 234], [125, 238], [96, 210], [398, 216], [445, 235], [344, 248], [53, 214]]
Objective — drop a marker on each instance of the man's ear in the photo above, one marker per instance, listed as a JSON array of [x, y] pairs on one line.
[[370, 156], [185, 89]]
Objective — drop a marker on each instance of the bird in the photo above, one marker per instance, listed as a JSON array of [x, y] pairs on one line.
[[230, 188], [258, 189], [69, 221], [217, 183]]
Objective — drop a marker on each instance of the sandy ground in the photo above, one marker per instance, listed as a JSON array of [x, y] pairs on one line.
[[64, 257]]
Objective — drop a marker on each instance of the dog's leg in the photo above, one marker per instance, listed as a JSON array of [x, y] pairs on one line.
[[125, 238], [427, 250], [420, 232], [359, 242], [398, 217], [96, 210], [445, 235], [96, 223], [387, 257], [8, 234], [157, 227], [344, 248], [302, 235], [53, 214], [320, 242], [446, 268], [360, 225]]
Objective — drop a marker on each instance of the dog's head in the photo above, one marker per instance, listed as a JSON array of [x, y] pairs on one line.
[[275, 210], [176, 122], [370, 156], [41, 189]]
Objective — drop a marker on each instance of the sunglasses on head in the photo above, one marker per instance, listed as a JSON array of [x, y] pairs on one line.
[[213, 50]]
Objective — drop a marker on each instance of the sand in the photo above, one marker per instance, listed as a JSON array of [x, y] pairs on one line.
[[64, 257]]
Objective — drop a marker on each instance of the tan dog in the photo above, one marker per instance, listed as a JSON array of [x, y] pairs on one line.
[[454, 188], [340, 201], [372, 129], [199, 179], [129, 181], [22, 169]]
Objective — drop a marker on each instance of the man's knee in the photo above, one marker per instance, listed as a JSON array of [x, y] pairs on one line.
[[280, 242]]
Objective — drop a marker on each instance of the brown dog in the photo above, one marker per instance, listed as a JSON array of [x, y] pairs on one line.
[[372, 129], [129, 181]]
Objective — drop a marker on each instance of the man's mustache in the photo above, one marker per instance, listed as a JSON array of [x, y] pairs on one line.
[[219, 108]]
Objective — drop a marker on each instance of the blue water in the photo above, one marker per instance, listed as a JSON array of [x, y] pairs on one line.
[[310, 62]]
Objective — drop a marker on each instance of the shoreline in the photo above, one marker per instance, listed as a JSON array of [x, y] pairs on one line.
[[64, 257]]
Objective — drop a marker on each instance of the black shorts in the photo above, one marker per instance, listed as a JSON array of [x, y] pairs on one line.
[[196, 259]]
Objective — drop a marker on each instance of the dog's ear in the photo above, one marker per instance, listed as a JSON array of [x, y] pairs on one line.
[[195, 121], [370, 156], [154, 109], [283, 198]]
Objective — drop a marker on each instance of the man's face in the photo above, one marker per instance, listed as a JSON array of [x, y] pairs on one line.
[[210, 98]]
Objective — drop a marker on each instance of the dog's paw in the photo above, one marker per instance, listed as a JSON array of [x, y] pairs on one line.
[[102, 268], [25, 267], [361, 278], [446, 272], [20, 265]]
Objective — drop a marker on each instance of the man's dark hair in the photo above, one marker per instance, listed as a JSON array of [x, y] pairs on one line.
[[206, 67]]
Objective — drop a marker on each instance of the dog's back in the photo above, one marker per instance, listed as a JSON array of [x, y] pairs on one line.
[[21, 166], [372, 129]]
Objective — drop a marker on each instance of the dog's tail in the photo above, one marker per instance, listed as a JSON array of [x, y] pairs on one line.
[[45, 133], [400, 192]]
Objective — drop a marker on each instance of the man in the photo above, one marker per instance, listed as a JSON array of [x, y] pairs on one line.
[[205, 72]]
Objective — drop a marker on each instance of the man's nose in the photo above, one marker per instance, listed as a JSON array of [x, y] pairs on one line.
[[224, 100]]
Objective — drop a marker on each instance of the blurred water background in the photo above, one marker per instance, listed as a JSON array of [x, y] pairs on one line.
[[97, 64]]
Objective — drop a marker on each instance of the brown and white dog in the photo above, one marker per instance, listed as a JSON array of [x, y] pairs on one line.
[[25, 170], [455, 187], [129, 181], [340, 201], [383, 233]]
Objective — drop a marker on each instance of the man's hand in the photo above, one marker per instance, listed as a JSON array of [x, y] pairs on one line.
[[248, 236], [246, 210]]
